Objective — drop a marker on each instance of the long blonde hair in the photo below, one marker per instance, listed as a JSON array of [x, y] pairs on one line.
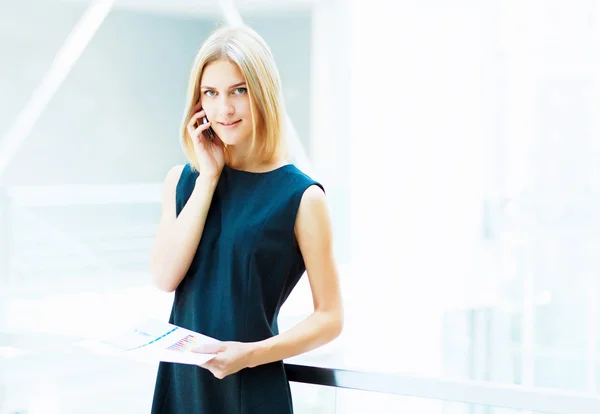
[[247, 49]]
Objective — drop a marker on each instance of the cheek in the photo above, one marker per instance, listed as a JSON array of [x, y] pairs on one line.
[[210, 110], [244, 107]]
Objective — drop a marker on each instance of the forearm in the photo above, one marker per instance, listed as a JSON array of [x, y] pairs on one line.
[[176, 249], [316, 330]]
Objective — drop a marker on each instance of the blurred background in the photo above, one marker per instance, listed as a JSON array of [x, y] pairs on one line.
[[458, 142]]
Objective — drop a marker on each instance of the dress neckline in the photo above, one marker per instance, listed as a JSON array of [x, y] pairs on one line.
[[281, 167]]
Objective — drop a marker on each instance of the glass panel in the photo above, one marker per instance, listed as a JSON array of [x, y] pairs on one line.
[[355, 402], [473, 222], [45, 374], [313, 399]]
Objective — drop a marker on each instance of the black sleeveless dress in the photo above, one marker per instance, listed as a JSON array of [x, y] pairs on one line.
[[246, 265]]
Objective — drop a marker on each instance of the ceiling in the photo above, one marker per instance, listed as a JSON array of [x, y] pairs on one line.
[[206, 7]]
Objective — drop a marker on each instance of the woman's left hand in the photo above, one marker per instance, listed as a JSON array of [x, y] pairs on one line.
[[230, 358]]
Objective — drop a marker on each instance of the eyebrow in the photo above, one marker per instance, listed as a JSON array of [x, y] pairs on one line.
[[231, 87]]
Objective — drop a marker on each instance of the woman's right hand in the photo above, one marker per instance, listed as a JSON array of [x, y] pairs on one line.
[[209, 152]]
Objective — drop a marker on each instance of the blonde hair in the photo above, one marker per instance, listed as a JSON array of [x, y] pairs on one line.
[[246, 49]]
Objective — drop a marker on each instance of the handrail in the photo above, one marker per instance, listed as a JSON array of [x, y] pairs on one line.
[[546, 400]]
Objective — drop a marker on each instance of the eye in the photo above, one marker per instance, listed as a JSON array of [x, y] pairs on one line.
[[240, 91], [209, 93]]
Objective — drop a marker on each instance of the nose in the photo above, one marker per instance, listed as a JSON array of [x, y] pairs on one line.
[[226, 108]]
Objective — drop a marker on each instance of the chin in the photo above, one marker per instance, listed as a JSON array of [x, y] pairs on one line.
[[234, 139]]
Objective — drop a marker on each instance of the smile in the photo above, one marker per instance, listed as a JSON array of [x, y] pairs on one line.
[[230, 125]]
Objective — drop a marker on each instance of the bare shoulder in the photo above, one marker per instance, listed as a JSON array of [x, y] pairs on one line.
[[313, 210], [174, 173], [171, 180], [313, 195]]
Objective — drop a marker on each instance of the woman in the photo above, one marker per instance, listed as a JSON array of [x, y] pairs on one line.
[[239, 227]]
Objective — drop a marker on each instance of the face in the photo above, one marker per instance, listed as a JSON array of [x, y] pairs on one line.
[[224, 98]]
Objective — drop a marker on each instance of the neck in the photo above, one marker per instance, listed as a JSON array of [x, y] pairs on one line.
[[240, 157], [241, 161]]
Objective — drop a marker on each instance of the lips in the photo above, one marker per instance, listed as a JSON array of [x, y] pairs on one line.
[[229, 124]]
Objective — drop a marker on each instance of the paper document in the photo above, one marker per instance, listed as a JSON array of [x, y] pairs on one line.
[[153, 341]]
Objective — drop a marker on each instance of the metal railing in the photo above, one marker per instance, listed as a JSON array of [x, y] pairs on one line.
[[545, 400]]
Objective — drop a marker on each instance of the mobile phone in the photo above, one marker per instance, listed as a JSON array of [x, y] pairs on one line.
[[210, 134]]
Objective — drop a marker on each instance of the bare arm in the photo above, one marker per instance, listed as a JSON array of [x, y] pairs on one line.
[[177, 237], [314, 234]]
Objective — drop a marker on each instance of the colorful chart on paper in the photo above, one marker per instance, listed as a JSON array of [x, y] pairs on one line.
[[185, 344]]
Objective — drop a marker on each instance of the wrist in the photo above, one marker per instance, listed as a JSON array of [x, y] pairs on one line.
[[255, 355], [205, 182]]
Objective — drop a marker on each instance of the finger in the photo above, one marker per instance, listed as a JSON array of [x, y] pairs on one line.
[[194, 119], [209, 348], [202, 127], [217, 373], [198, 133], [194, 124], [209, 365]]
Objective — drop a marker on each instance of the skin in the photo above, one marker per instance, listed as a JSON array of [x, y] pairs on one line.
[[225, 101]]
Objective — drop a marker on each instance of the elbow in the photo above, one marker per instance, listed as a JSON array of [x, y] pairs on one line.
[[163, 283], [162, 280], [335, 325], [165, 287]]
